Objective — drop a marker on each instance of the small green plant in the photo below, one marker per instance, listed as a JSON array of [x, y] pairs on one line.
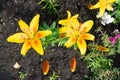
[[54, 76], [50, 5], [22, 75]]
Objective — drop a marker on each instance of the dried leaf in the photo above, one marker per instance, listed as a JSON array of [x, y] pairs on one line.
[[45, 67], [73, 64]]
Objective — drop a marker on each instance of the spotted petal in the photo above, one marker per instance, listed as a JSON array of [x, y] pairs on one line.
[[17, 38], [82, 45], [41, 34], [37, 46], [23, 26], [34, 24], [86, 26], [26, 46]]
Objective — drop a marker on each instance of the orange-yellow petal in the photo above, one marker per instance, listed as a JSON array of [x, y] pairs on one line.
[[88, 36], [82, 45], [26, 46], [17, 38], [68, 30], [41, 34], [73, 64], [23, 26], [34, 24], [37, 46], [86, 26], [101, 48], [45, 67], [71, 41]]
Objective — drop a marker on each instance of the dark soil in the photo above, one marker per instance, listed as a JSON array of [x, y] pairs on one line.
[[59, 58]]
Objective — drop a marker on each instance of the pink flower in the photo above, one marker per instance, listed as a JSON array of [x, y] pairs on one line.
[[112, 39], [117, 36]]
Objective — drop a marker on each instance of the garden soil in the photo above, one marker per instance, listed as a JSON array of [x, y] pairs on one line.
[[59, 57]]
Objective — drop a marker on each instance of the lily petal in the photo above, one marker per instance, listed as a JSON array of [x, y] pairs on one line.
[[34, 24], [97, 5], [70, 21], [82, 45], [70, 42], [86, 26], [41, 34], [45, 67], [69, 14], [23, 26], [37, 46], [75, 16], [68, 30], [101, 48], [111, 1], [88, 36], [26, 46], [102, 10], [17, 38], [109, 7], [73, 64]]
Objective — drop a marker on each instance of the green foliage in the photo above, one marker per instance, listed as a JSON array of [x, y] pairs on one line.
[[52, 39], [50, 6], [109, 74], [22, 75], [54, 76], [97, 61], [115, 48], [116, 11]]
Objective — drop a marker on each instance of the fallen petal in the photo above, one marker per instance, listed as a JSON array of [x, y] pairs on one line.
[[45, 67], [16, 65], [101, 48], [73, 64]]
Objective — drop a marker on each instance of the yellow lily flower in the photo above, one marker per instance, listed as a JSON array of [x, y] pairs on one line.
[[30, 36], [70, 21], [103, 4], [77, 34]]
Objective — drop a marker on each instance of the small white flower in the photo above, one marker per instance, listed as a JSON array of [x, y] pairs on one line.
[[16, 65], [106, 19]]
